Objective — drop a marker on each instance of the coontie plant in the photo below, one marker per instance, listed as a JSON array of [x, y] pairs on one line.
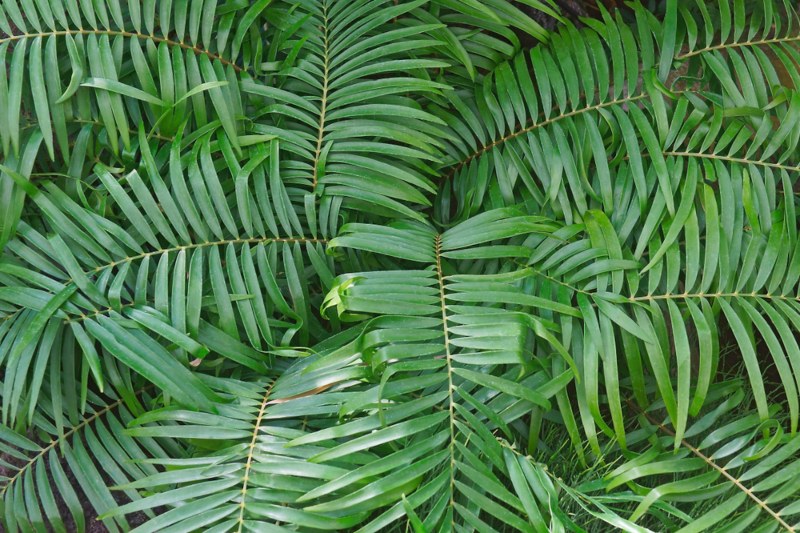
[[373, 265]]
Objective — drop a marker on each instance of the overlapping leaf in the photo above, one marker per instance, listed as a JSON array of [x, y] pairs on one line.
[[738, 464], [615, 230], [414, 412]]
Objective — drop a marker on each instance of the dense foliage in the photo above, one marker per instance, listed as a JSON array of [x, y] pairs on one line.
[[375, 265]]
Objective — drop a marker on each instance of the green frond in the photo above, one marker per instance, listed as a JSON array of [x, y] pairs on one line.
[[345, 105], [581, 77], [177, 67], [203, 267], [596, 101], [71, 455], [208, 270], [654, 300], [739, 471]]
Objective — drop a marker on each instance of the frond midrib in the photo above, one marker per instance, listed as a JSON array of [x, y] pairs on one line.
[[731, 159], [251, 453], [95, 123], [207, 244], [324, 97], [531, 126], [131, 34], [722, 470], [735, 294], [676, 296], [727, 46], [225, 242], [449, 359]]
